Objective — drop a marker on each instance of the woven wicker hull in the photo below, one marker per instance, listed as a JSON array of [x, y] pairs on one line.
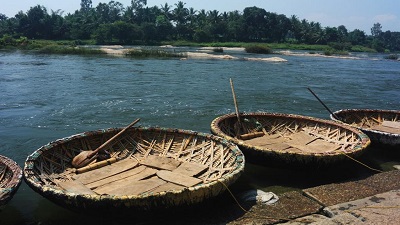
[[370, 122], [48, 170], [11, 177], [290, 139]]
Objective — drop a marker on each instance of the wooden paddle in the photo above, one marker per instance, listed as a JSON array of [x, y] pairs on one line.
[[86, 157], [236, 105], [326, 107]]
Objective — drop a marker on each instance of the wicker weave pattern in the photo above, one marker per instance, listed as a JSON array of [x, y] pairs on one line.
[[10, 179], [348, 140], [368, 119], [50, 165]]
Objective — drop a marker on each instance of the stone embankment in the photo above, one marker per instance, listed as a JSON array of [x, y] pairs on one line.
[[373, 200]]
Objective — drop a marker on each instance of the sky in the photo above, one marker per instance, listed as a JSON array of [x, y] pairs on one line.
[[353, 14]]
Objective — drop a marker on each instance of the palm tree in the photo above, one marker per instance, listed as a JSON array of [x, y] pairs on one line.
[[192, 15], [201, 19], [180, 13], [166, 10], [213, 16]]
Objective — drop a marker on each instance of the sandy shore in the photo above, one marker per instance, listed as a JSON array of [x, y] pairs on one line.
[[290, 53], [113, 49], [206, 53], [201, 55], [120, 50]]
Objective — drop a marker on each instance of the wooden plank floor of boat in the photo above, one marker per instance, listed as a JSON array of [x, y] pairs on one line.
[[297, 142], [132, 177], [160, 162], [106, 171], [130, 182], [75, 187], [388, 126], [274, 142], [178, 178]]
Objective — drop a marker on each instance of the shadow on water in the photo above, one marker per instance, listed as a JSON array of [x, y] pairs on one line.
[[218, 210]]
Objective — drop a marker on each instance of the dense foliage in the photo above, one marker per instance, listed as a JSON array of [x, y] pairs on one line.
[[113, 23]]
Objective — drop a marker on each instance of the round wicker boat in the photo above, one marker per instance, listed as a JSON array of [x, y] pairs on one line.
[[273, 138], [10, 179], [150, 168], [381, 126]]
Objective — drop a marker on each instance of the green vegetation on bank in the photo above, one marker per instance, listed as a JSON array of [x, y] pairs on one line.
[[137, 24], [77, 47], [258, 49], [392, 57], [62, 49], [156, 53]]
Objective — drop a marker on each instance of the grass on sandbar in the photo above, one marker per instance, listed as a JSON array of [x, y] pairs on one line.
[[156, 53], [59, 49]]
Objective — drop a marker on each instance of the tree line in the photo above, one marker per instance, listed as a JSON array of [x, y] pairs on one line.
[[113, 23]]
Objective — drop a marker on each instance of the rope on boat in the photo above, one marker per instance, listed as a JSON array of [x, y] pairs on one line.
[[233, 196], [373, 169]]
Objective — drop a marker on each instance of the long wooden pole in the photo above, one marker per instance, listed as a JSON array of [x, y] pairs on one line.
[[86, 157], [236, 105], [112, 138], [326, 107]]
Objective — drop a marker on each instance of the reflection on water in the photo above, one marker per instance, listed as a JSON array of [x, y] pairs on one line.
[[46, 97]]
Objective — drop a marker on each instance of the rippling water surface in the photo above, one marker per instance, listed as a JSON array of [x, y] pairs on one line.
[[46, 97]]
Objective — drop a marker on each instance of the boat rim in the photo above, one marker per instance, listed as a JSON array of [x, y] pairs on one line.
[[47, 189], [16, 178], [364, 139], [365, 110]]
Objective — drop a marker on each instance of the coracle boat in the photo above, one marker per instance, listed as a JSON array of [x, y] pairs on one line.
[[381, 126], [273, 138], [10, 179], [148, 169]]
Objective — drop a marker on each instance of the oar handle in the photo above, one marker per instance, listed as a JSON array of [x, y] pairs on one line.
[[96, 165], [326, 107], [111, 139]]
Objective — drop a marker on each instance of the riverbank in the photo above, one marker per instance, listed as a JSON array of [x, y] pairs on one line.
[[27, 44], [202, 53], [227, 53], [165, 51], [81, 48], [373, 200]]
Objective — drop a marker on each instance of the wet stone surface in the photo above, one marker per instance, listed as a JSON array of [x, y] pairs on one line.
[[372, 200], [291, 205], [332, 194]]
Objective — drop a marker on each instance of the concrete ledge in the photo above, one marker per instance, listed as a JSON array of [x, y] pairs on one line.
[[382, 208], [332, 194], [373, 200]]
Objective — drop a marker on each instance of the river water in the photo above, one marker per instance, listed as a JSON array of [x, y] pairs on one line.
[[46, 97]]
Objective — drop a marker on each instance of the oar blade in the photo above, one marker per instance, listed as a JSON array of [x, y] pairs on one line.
[[83, 159]]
